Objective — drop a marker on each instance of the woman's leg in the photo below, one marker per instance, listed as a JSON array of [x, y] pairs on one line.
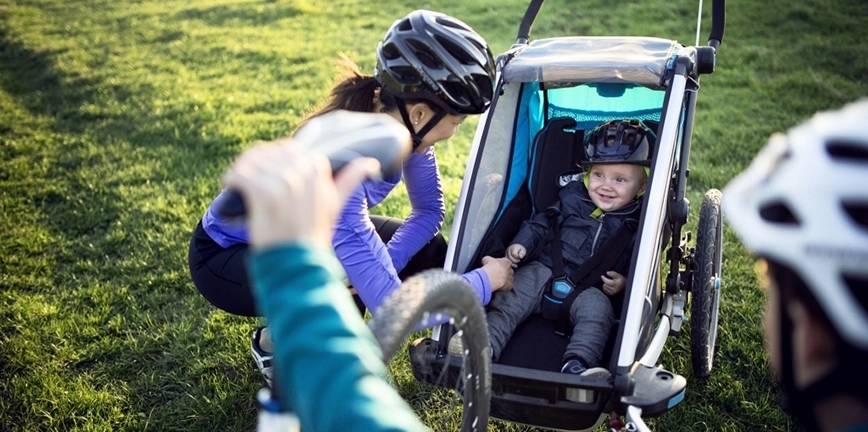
[[219, 274], [432, 255]]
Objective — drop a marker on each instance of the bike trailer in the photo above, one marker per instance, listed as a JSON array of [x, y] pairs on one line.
[[549, 93]]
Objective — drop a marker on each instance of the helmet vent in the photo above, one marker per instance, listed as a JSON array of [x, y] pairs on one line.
[[483, 83], [424, 53], [447, 22], [389, 51], [778, 212], [858, 213], [851, 151], [479, 46], [405, 75], [404, 25], [456, 91], [460, 54], [858, 286]]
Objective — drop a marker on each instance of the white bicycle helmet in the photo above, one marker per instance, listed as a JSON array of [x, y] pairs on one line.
[[803, 203]]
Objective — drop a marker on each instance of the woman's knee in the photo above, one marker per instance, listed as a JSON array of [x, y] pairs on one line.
[[431, 256], [434, 250], [221, 278]]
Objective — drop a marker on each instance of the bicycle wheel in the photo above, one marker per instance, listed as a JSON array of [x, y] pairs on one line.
[[437, 296], [705, 303]]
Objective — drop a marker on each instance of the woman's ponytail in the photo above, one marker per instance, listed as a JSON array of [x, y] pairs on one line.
[[353, 91]]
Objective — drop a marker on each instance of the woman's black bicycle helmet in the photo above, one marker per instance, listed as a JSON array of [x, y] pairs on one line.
[[434, 57], [619, 141]]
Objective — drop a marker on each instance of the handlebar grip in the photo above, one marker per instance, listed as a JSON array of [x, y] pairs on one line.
[[342, 136]]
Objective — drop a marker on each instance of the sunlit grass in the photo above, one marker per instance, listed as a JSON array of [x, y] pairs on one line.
[[117, 118]]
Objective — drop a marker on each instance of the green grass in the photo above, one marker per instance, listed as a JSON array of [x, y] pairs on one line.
[[117, 118]]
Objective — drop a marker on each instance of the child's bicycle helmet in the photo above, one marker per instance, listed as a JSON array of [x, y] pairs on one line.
[[619, 141], [803, 203], [434, 57]]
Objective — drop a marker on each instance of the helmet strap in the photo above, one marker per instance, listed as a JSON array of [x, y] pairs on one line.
[[417, 136]]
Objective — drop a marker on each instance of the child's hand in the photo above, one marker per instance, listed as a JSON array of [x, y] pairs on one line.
[[613, 284], [515, 253]]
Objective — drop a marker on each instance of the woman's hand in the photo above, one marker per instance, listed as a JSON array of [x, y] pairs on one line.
[[613, 284], [499, 271], [515, 253], [289, 192]]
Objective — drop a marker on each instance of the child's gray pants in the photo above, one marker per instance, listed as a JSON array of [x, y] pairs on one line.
[[591, 314]]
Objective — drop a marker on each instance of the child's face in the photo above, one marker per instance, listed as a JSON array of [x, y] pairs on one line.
[[614, 186]]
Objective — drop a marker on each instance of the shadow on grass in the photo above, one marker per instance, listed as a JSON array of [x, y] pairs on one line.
[[110, 267], [89, 136], [249, 14]]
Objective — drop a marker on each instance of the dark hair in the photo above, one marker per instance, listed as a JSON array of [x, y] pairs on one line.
[[851, 359], [792, 287], [354, 91]]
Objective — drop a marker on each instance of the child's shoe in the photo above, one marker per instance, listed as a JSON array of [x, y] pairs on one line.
[[575, 367], [456, 347]]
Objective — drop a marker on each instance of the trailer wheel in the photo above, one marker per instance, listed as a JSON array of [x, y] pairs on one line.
[[437, 295], [705, 302]]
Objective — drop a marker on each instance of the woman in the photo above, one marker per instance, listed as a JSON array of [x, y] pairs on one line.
[[432, 72]]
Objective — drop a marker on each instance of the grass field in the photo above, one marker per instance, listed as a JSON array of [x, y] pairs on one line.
[[118, 116]]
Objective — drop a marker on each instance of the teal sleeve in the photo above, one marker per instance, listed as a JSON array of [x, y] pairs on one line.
[[328, 365]]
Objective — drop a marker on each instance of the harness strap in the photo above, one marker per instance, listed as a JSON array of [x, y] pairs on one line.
[[588, 274], [554, 213]]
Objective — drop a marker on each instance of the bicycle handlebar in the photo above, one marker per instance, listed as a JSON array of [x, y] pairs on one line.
[[343, 136]]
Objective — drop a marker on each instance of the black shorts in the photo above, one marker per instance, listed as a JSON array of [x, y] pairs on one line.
[[220, 274]]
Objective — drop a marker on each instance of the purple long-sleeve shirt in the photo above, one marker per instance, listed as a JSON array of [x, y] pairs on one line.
[[371, 265]]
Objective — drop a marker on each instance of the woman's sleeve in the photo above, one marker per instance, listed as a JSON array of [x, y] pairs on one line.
[[327, 361], [478, 280], [361, 252], [427, 208]]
